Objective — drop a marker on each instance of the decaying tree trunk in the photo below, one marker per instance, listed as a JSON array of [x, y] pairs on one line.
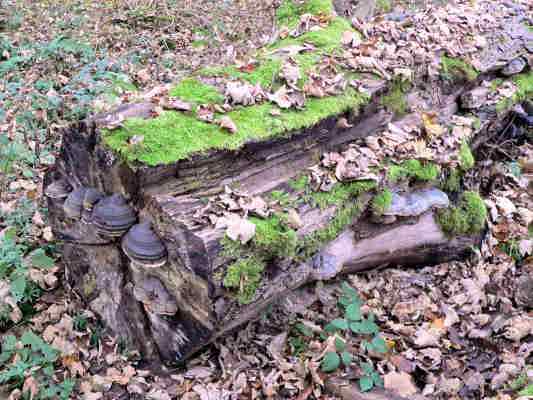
[[171, 310]]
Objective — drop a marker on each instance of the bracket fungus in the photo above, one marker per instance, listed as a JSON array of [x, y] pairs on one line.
[[59, 189], [74, 203], [112, 216], [92, 196], [144, 247]]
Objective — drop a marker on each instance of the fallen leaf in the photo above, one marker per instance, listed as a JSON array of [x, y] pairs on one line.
[[240, 229], [400, 383], [431, 124], [227, 123]]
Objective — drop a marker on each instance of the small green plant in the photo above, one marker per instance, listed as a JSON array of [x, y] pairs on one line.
[[414, 169], [381, 202], [299, 339], [466, 158], [281, 197], [32, 356], [452, 183], [245, 276], [354, 323], [512, 249], [457, 69], [468, 217]]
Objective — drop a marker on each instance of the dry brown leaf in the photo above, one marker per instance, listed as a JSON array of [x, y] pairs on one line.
[[227, 123], [400, 383]]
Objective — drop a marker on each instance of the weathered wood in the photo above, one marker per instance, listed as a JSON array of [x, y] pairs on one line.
[[171, 311]]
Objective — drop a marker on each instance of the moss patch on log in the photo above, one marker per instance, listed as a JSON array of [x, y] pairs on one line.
[[452, 181], [245, 277], [524, 85], [175, 136], [468, 217], [381, 202], [457, 69], [194, 91], [466, 158], [413, 169], [395, 100]]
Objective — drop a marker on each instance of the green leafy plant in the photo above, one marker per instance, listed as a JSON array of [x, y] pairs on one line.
[[354, 323], [31, 355]]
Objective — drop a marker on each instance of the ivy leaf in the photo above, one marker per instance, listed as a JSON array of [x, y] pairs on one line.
[[340, 345], [367, 368], [365, 327], [330, 362], [353, 312], [378, 344], [346, 358], [41, 260], [377, 379], [366, 383], [18, 287], [336, 324], [304, 330]]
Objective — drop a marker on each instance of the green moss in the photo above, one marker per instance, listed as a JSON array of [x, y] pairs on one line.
[[325, 39], [381, 202], [245, 276], [413, 169], [457, 69], [340, 193], [343, 218], [384, 6], [273, 238], [524, 85], [175, 136], [466, 218], [289, 12], [395, 100], [281, 197], [197, 92], [265, 73], [452, 184], [466, 158], [299, 183]]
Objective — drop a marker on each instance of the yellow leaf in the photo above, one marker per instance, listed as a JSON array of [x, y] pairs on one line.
[[431, 124]]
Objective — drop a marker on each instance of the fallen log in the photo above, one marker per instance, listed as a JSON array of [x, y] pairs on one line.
[[210, 252]]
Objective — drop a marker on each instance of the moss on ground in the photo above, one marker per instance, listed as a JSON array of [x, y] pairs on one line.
[[468, 217], [457, 69], [381, 202], [413, 169], [395, 100], [466, 158], [194, 91], [245, 277], [524, 85]]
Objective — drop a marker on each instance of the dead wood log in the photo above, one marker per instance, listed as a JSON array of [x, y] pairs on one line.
[[170, 311]]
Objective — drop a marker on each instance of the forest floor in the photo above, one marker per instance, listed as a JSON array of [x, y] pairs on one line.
[[456, 330]]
